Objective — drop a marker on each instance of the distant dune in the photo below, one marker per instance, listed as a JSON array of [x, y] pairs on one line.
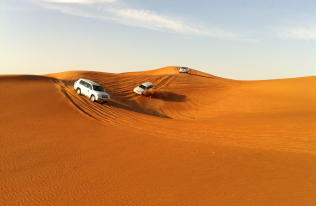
[[196, 139]]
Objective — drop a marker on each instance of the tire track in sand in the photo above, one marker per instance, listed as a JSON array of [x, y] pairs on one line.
[[118, 111]]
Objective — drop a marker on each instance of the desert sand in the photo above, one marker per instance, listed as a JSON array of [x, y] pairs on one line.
[[203, 140]]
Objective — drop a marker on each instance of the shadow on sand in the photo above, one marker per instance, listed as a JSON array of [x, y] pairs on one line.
[[200, 76], [138, 109], [165, 95]]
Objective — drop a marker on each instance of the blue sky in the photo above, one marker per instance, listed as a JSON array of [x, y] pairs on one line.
[[236, 39]]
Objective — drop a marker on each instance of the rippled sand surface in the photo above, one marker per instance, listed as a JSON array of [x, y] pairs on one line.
[[197, 139]]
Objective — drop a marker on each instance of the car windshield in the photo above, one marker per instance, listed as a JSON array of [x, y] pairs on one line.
[[142, 86], [97, 88]]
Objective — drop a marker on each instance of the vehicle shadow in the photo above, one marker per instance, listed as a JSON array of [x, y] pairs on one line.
[[170, 97], [165, 95], [200, 76], [129, 107]]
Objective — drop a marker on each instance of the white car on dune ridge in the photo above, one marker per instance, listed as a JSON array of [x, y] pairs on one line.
[[184, 70], [143, 87], [92, 90]]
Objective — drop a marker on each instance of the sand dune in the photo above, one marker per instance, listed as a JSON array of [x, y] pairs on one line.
[[206, 141]]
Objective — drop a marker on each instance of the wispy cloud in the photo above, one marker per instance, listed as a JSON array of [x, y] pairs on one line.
[[118, 11], [150, 19], [298, 33], [155, 21], [79, 1]]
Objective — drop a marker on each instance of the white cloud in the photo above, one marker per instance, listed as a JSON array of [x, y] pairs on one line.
[[298, 33], [71, 11], [155, 21], [79, 1], [151, 20], [113, 10]]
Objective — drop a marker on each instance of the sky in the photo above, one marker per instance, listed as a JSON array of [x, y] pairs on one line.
[[235, 39]]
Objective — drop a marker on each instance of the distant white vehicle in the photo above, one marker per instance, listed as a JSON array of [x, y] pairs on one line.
[[143, 87], [92, 90], [184, 70]]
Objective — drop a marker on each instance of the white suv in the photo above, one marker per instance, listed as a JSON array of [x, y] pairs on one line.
[[92, 90], [143, 87], [184, 70]]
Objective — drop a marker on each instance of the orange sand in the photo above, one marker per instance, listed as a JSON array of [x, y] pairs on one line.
[[209, 141]]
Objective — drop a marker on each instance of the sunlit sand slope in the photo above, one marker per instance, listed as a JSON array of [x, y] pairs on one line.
[[227, 109], [206, 141]]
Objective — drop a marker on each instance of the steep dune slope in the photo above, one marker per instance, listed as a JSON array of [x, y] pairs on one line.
[[268, 110], [168, 80], [211, 141]]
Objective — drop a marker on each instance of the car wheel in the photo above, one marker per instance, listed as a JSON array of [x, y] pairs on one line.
[[92, 98], [78, 91]]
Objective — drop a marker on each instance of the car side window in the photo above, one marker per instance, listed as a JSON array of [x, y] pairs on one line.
[[142, 86], [89, 86], [82, 82]]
